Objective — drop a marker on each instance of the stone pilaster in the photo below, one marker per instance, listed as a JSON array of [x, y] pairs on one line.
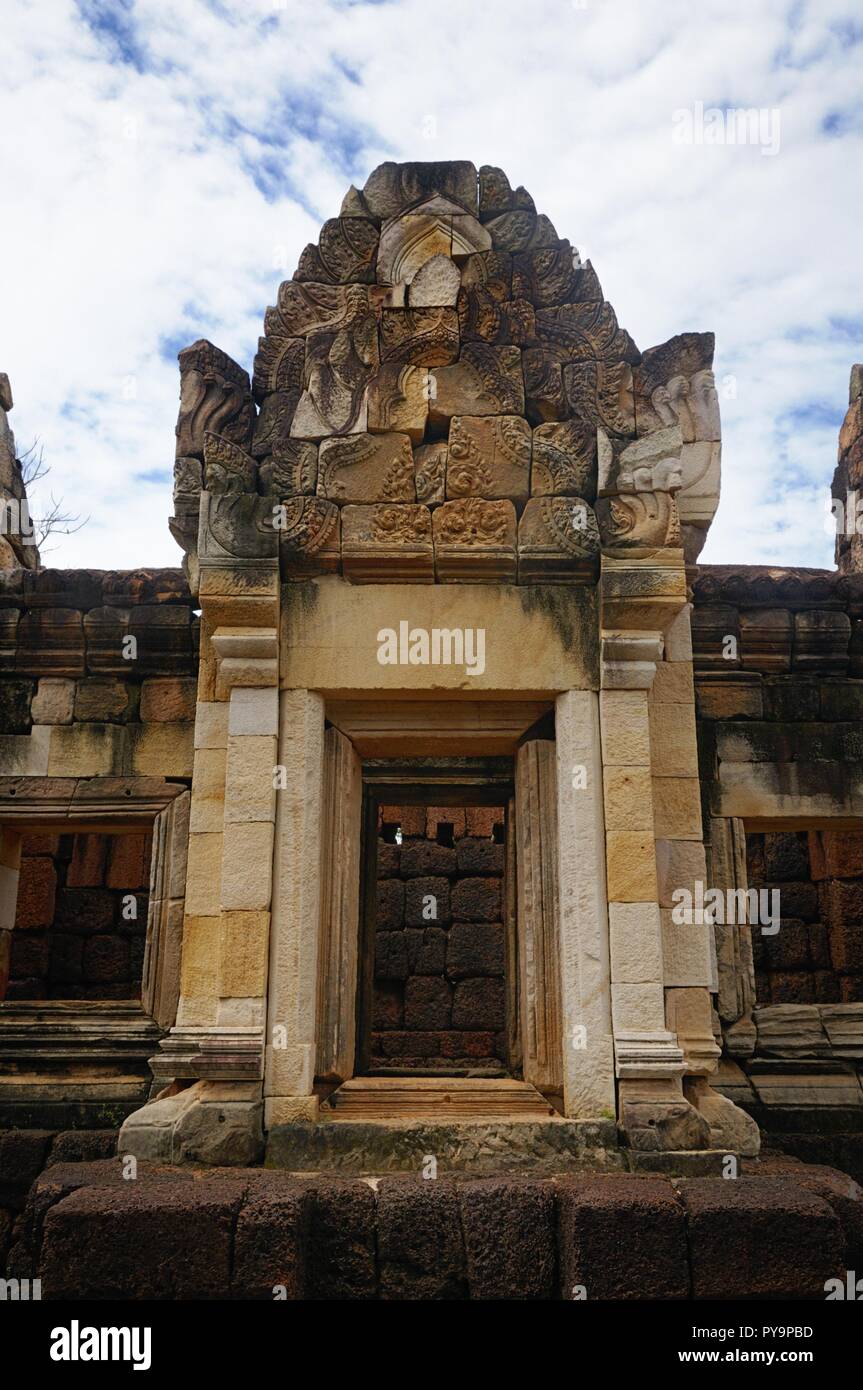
[[10, 868], [539, 943], [640, 601], [588, 1051], [293, 990], [340, 878], [218, 1038], [663, 970]]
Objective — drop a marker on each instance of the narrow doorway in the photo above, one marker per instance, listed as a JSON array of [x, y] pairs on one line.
[[438, 971]]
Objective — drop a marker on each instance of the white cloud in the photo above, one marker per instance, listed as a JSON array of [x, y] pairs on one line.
[[136, 221]]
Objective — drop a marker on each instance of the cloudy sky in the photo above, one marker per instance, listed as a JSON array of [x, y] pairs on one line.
[[165, 161]]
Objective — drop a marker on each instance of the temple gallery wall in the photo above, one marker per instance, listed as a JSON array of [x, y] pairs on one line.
[[396, 804]]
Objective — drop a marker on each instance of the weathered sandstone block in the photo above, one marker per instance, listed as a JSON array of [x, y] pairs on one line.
[[521, 230], [227, 467], [367, 468], [424, 337], [346, 251], [215, 394], [310, 539], [485, 381], [489, 456], [564, 460], [436, 284], [275, 420], [398, 400], [558, 541], [388, 544], [291, 469], [475, 541]]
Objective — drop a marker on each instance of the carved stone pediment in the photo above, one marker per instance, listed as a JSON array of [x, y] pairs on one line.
[[558, 541], [309, 537], [236, 529], [638, 520], [227, 467], [441, 347], [215, 395]]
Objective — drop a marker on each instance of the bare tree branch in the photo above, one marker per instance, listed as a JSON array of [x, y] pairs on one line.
[[55, 522], [32, 464]]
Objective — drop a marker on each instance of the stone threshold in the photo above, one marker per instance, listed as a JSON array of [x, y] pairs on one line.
[[477, 1148], [438, 1099]]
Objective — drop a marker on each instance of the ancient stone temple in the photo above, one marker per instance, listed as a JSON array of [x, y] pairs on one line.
[[440, 804]]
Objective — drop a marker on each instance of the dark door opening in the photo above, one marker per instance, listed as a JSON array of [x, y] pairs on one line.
[[437, 977]]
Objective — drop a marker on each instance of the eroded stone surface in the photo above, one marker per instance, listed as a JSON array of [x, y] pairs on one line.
[[367, 468], [489, 456], [475, 541]]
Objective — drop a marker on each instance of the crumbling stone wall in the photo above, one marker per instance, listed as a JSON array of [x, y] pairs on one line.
[[98, 679], [816, 956], [81, 920], [778, 661], [17, 537], [439, 1001], [847, 486]]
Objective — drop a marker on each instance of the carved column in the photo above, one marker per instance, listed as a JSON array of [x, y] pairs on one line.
[[294, 941], [539, 936], [735, 968], [588, 1053], [340, 876], [160, 984]]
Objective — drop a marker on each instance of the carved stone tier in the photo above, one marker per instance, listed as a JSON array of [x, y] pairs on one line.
[[309, 537], [558, 541], [388, 544], [475, 542]]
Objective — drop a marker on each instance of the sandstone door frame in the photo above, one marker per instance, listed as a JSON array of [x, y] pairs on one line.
[[314, 936]]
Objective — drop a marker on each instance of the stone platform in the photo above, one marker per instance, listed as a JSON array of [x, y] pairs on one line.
[[367, 1147], [780, 1231]]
